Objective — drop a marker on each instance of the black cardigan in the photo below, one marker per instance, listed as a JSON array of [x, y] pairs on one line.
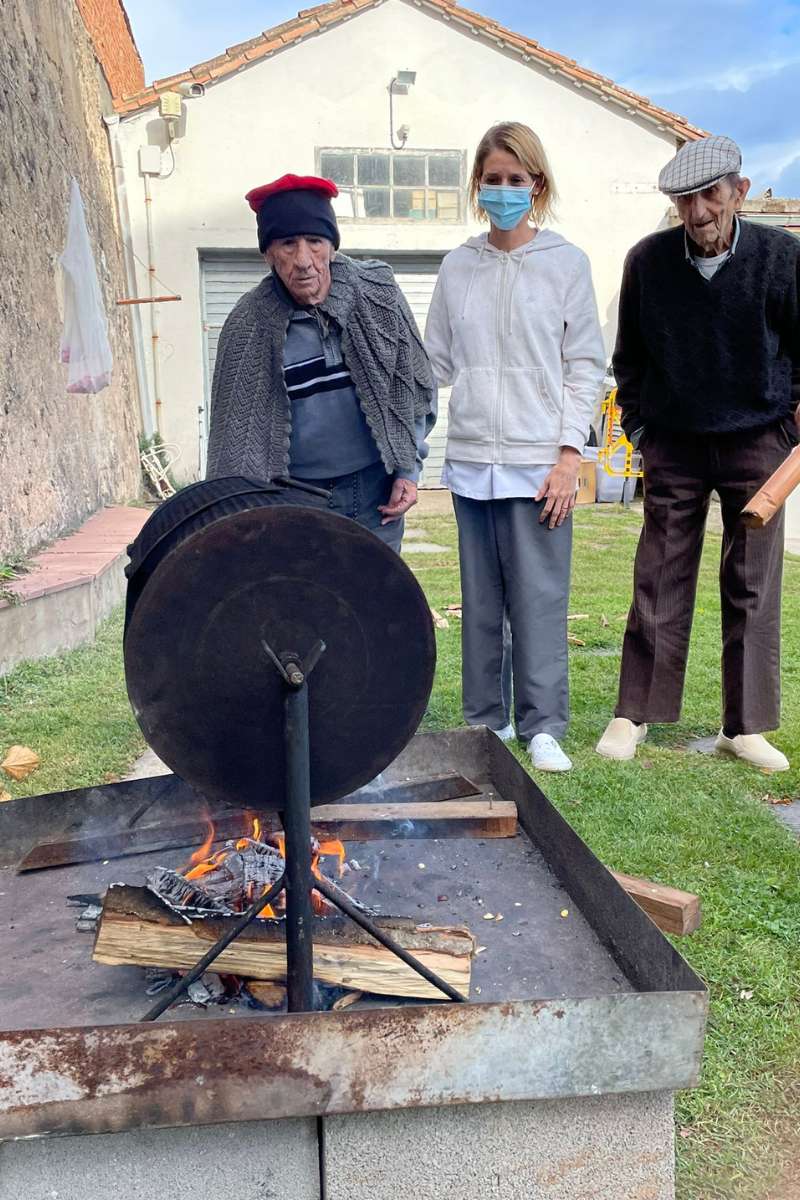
[[709, 356]]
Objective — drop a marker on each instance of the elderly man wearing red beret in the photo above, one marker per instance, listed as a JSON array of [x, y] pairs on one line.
[[320, 372]]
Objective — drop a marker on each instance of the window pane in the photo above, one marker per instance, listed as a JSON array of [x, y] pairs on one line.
[[373, 168], [444, 170], [338, 167], [375, 202], [344, 204], [409, 170], [443, 206], [410, 203]]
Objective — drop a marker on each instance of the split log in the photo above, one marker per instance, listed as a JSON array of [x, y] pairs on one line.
[[446, 818], [672, 910], [137, 929]]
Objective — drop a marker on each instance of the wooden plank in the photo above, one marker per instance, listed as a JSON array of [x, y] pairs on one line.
[[137, 929], [140, 840], [672, 910], [349, 822], [487, 818]]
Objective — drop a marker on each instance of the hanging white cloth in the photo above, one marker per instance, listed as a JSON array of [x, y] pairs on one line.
[[84, 343]]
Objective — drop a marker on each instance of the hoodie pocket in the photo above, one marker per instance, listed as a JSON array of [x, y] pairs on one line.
[[529, 412], [469, 415]]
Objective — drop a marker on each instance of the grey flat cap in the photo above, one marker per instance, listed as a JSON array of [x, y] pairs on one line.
[[699, 165]]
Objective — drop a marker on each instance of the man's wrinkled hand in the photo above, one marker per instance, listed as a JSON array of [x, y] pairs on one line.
[[403, 497], [559, 489]]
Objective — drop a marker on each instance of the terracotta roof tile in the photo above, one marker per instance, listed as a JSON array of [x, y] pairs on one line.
[[263, 48], [243, 47], [227, 66], [322, 16]]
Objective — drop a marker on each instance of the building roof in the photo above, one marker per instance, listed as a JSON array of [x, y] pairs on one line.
[[312, 21]]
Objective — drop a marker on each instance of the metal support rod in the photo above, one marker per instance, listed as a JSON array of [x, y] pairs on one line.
[[345, 905], [205, 962], [297, 830]]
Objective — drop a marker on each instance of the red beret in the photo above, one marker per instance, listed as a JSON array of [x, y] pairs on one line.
[[291, 183]]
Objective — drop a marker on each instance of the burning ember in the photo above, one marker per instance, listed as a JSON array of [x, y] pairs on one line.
[[231, 880]]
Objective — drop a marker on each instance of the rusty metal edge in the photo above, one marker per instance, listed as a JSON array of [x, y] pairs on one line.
[[119, 1077]]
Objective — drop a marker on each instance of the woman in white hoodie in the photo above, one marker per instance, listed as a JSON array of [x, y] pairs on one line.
[[513, 328]]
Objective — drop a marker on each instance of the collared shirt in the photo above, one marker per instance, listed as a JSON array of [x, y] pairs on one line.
[[708, 267], [493, 481]]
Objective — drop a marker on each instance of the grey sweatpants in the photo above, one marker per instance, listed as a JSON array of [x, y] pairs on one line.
[[514, 594]]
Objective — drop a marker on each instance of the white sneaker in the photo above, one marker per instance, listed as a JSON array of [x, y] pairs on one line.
[[752, 748], [506, 734], [621, 739], [547, 755]]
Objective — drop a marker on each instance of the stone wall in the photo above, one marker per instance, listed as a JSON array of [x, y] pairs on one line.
[[61, 456]]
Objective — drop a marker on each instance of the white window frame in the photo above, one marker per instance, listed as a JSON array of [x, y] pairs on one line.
[[392, 188]]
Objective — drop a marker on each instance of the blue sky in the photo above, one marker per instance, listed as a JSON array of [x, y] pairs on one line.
[[730, 66]]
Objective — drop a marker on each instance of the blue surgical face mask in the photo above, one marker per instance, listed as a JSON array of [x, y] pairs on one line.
[[505, 206]]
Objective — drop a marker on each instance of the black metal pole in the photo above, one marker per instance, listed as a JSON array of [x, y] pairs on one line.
[[205, 962], [297, 830], [345, 905]]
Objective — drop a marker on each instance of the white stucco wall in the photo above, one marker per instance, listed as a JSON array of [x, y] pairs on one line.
[[331, 90], [793, 523]]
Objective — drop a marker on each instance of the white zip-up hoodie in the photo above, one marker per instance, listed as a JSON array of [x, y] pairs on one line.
[[518, 337]]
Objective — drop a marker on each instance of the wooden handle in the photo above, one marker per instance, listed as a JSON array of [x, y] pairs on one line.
[[771, 496]]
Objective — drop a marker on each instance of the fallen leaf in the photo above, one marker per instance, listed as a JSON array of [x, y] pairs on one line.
[[575, 641], [604, 620], [4, 796], [346, 1000], [480, 950], [20, 762], [488, 916], [745, 994], [779, 799], [439, 621], [578, 617], [565, 912], [499, 917]]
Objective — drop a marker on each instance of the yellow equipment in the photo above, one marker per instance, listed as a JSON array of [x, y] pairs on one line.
[[614, 439]]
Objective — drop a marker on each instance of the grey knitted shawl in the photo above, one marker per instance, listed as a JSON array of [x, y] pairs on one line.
[[250, 411]]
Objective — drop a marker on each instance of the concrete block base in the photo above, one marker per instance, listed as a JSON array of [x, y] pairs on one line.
[[586, 1148], [262, 1160]]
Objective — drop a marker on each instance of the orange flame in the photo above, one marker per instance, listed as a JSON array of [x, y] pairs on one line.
[[204, 862], [202, 852]]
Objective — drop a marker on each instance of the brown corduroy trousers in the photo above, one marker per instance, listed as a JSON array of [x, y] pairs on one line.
[[680, 472]]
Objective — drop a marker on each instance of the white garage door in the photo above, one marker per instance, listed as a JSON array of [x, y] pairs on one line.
[[227, 276]]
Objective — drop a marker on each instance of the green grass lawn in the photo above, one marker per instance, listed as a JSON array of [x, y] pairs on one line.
[[692, 821]]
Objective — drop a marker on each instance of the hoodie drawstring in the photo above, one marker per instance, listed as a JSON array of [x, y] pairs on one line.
[[468, 292], [520, 261]]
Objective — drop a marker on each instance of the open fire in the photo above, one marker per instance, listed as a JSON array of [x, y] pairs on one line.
[[231, 879]]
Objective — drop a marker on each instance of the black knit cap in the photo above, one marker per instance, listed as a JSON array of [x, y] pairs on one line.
[[294, 205]]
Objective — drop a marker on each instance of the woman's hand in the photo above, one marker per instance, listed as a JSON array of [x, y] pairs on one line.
[[558, 489], [402, 498]]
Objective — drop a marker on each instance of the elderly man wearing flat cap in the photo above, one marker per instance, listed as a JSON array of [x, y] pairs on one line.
[[320, 372], [707, 363]]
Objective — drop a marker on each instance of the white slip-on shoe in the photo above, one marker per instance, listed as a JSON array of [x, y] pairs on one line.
[[621, 739], [547, 755], [752, 748], [506, 734]]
